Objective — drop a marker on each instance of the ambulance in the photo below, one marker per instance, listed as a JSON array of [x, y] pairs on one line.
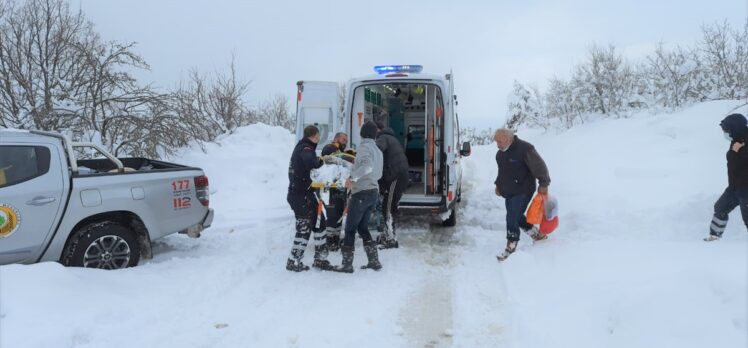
[[419, 107]]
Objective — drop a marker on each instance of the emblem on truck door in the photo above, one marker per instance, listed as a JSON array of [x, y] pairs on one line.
[[10, 219]]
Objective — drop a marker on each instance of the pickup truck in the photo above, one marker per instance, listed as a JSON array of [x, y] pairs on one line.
[[97, 213]]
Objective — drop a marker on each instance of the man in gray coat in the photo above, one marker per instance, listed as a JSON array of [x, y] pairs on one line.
[[366, 171]]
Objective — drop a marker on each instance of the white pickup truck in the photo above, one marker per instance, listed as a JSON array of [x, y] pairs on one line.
[[99, 213]]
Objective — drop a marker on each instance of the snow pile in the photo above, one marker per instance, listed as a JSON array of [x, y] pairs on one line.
[[626, 267]]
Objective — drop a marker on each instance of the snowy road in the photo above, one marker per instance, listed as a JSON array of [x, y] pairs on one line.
[[629, 274]]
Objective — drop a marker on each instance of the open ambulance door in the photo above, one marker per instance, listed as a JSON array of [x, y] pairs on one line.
[[318, 104]]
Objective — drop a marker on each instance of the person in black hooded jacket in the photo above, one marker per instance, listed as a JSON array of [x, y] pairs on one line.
[[735, 127], [393, 184]]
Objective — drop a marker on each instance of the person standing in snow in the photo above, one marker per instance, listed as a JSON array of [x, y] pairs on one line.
[[735, 127], [338, 197], [520, 166], [302, 199], [393, 183], [367, 170]]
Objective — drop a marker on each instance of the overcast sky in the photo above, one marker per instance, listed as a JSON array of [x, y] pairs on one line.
[[487, 44]]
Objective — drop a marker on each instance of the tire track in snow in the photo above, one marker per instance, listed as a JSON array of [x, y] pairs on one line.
[[427, 317]]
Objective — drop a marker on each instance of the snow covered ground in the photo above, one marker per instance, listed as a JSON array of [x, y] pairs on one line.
[[626, 268]]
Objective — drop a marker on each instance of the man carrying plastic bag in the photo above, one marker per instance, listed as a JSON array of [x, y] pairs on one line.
[[520, 166]]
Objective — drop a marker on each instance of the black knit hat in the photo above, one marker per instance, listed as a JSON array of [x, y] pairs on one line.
[[369, 130]]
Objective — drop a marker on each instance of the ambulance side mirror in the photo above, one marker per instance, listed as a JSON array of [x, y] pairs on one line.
[[465, 149]]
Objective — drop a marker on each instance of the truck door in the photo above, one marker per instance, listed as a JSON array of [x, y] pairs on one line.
[[318, 103], [31, 198]]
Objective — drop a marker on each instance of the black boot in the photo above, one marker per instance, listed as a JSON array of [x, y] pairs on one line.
[[323, 265], [387, 243], [333, 240], [296, 266], [347, 266], [373, 256]]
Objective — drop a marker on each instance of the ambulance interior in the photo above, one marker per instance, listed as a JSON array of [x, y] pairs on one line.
[[414, 111]]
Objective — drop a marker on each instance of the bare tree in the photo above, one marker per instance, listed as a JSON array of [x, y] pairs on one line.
[[39, 64], [225, 99], [111, 93], [214, 104], [672, 76], [606, 80], [275, 112], [526, 106], [724, 51]]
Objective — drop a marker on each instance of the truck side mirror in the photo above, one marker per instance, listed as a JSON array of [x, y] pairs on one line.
[[465, 149]]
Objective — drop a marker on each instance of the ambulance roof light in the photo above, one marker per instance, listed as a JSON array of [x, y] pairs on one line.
[[387, 69]]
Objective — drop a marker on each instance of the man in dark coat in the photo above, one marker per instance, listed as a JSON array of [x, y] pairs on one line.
[[735, 127], [393, 184], [338, 197], [302, 199], [520, 166]]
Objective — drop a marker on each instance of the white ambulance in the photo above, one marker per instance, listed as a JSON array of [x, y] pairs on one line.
[[420, 108]]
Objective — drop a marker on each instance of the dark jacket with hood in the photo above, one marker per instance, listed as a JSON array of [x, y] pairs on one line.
[[519, 166], [303, 160], [737, 162], [395, 162]]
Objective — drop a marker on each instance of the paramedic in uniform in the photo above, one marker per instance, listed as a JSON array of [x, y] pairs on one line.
[[302, 199]]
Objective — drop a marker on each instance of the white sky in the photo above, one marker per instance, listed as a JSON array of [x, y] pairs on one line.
[[487, 44]]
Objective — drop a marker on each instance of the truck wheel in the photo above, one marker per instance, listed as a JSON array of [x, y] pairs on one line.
[[452, 220], [105, 245]]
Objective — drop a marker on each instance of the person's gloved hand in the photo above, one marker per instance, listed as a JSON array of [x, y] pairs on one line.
[[543, 190]]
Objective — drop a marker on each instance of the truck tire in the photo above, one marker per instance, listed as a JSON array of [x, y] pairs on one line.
[[452, 220], [105, 245]]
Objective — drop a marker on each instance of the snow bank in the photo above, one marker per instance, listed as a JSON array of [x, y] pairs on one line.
[[627, 267]]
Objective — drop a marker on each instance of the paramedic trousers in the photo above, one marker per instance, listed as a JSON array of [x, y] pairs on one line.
[[359, 212], [305, 210], [516, 206], [335, 208], [391, 194], [730, 199]]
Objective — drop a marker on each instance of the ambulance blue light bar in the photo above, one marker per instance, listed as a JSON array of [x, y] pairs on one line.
[[387, 69]]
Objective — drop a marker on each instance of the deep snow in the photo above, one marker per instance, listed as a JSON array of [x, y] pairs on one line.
[[626, 268]]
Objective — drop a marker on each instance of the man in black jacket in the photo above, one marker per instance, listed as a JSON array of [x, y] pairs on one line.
[[735, 127], [520, 166], [338, 197], [302, 199], [393, 183]]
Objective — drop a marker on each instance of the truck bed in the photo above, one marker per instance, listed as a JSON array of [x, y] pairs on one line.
[[104, 166]]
